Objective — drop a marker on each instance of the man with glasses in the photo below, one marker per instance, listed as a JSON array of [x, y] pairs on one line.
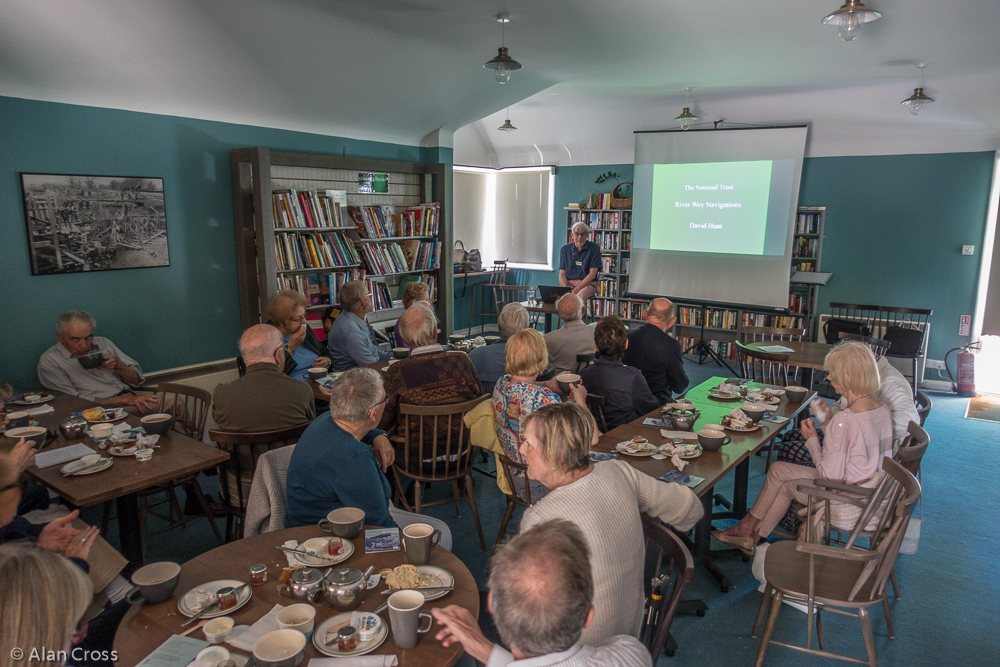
[[579, 263], [351, 341], [110, 385], [264, 399]]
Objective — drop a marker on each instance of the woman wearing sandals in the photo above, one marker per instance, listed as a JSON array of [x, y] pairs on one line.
[[857, 439]]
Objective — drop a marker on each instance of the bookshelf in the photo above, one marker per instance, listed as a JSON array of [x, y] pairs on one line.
[[720, 327], [313, 222]]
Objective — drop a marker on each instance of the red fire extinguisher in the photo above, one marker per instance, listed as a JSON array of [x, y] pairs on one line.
[[966, 385]]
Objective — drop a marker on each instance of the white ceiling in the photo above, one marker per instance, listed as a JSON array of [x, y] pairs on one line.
[[410, 71]]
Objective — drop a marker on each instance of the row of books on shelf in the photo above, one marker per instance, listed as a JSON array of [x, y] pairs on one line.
[[607, 289], [602, 308], [320, 288], [308, 208], [807, 223], [714, 318], [609, 264], [723, 348], [313, 251], [805, 266], [385, 258], [380, 222], [632, 310], [762, 320], [608, 240], [805, 247], [800, 302], [602, 219]]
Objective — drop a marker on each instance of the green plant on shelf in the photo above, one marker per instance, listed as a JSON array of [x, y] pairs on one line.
[[623, 190]]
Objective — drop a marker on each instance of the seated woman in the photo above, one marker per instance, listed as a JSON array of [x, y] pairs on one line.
[[412, 293], [605, 501], [626, 394], [304, 351], [518, 394], [42, 600], [857, 439]]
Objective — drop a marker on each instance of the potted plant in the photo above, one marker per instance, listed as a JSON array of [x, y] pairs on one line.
[[621, 195]]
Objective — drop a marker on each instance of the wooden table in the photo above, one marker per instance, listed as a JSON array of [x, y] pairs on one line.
[[807, 355], [145, 626], [177, 456], [712, 466], [546, 309]]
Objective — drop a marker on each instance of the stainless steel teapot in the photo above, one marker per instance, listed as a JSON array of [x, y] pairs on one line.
[[306, 585], [344, 587]]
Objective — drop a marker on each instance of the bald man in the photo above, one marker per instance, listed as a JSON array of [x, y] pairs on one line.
[[265, 399], [657, 354], [574, 337]]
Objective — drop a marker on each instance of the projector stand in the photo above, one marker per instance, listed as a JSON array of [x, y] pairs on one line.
[[702, 349]]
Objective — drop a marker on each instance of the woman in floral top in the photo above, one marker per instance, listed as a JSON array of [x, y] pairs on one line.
[[517, 395]]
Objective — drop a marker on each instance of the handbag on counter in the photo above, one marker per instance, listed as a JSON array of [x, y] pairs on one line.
[[466, 261]]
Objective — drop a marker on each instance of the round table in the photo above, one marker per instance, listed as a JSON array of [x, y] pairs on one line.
[[147, 626]]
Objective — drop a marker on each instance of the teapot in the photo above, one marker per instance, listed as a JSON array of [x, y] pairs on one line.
[[73, 428], [344, 587], [306, 585]]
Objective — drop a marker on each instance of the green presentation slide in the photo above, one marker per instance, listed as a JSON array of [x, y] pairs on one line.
[[718, 207]]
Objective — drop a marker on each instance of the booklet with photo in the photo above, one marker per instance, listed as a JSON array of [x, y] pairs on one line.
[[381, 539], [650, 421], [682, 478]]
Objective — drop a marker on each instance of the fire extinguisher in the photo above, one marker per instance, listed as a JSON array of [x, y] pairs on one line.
[[966, 385]]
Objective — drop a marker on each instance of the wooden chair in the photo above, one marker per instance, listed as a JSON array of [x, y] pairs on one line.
[[853, 318], [675, 564], [924, 406], [514, 498], [236, 474], [763, 367], [584, 360], [839, 580], [596, 405], [768, 334], [435, 448], [505, 294], [878, 346], [498, 276], [906, 330]]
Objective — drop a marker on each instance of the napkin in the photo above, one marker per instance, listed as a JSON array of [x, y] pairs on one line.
[[54, 457], [267, 623], [774, 349], [292, 561], [40, 410], [678, 462], [357, 661], [765, 406]]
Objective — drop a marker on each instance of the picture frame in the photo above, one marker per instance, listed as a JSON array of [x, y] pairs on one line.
[[80, 222]]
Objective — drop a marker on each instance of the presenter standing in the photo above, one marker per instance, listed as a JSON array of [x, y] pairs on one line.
[[579, 263]]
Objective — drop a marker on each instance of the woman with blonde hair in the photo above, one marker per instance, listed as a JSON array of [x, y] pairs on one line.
[[518, 393], [857, 439], [412, 293], [303, 351], [43, 597]]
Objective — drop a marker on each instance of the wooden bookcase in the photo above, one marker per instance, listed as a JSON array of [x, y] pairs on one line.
[[259, 172], [720, 327]]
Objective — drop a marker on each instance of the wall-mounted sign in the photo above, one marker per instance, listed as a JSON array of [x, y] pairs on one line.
[[370, 183]]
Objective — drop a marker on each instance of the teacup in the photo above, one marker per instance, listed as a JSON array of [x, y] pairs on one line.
[[712, 440], [317, 373], [35, 435], [155, 582], [491, 339], [754, 412], [213, 655], [456, 338], [418, 540], [17, 419], [405, 617], [401, 352], [92, 360], [796, 394], [565, 380], [157, 424], [344, 522], [101, 431], [280, 648], [299, 617]]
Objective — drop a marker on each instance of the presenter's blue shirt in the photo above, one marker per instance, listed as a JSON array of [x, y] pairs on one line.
[[578, 263], [331, 469]]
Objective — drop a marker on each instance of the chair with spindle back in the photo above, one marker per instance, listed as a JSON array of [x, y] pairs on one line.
[[906, 330], [515, 497], [768, 334], [762, 367], [674, 562], [878, 346]]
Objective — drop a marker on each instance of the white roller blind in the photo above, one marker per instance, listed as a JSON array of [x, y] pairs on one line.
[[506, 213]]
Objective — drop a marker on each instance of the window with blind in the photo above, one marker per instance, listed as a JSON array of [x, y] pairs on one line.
[[506, 213]]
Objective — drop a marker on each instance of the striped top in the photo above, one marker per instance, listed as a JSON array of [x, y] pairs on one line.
[[605, 505]]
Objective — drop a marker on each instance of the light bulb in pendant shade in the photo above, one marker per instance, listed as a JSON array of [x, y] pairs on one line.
[[850, 17], [502, 73], [917, 101]]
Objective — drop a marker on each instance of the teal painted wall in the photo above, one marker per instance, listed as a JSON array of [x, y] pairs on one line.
[[167, 316], [894, 230]]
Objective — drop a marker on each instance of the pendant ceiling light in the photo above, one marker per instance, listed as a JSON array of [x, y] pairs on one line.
[[507, 128], [850, 18], [686, 116], [502, 65], [917, 101]]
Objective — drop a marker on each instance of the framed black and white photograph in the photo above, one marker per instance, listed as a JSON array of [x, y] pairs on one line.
[[94, 223]]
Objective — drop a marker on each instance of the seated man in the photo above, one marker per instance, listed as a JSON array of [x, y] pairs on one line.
[[110, 385], [351, 340], [430, 375], [658, 355], [541, 597], [579, 263], [491, 360], [335, 464], [265, 399], [572, 338], [626, 394]]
